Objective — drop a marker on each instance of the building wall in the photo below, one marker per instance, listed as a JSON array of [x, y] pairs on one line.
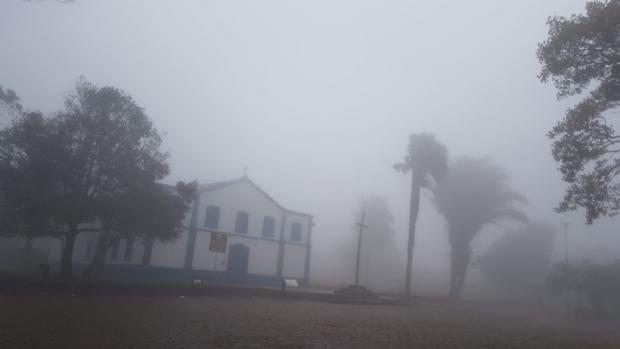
[[136, 258], [171, 254], [263, 259], [264, 252], [240, 197], [288, 226], [294, 261]]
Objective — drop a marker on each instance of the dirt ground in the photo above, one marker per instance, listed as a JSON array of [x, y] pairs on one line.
[[253, 322]]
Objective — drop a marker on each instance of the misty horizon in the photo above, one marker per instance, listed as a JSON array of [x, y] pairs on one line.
[[318, 100]]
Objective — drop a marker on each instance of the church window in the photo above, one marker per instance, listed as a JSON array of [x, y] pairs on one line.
[[241, 225], [296, 232], [269, 225], [212, 218]]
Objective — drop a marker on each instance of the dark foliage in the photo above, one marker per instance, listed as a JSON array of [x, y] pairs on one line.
[[91, 168], [580, 51], [519, 259]]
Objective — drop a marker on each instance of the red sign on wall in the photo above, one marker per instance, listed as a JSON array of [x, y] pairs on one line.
[[218, 242]]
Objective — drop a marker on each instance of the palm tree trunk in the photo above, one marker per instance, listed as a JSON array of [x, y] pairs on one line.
[[454, 273], [414, 208], [463, 264], [458, 268]]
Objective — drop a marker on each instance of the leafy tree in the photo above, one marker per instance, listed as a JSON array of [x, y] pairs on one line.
[[519, 259], [426, 157], [474, 194], [9, 104], [602, 285], [379, 257], [146, 214], [572, 276], [72, 173], [583, 50], [10, 99]]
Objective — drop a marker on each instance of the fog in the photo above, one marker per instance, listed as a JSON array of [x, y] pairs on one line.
[[317, 99]]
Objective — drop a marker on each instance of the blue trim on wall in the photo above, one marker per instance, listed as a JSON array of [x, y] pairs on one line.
[[281, 247], [308, 253], [191, 241], [166, 274]]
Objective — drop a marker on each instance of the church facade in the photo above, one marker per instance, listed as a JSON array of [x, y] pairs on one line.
[[265, 242]]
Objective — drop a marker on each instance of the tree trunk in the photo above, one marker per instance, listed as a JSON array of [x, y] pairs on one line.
[[28, 255], [62, 243], [454, 274], [458, 266], [464, 263], [67, 255], [414, 208], [99, 256]]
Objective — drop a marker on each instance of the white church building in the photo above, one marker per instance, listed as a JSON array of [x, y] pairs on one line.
[[265, 242]]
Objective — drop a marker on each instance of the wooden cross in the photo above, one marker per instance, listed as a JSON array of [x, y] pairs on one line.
[[245, 171], [359, 246]]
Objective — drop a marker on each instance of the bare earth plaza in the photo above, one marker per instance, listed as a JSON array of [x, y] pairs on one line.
[[264, 322]]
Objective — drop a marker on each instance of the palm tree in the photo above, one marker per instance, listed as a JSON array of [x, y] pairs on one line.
[[425, 156], [474, 194]]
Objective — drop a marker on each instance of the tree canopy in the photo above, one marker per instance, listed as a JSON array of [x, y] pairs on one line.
[[10, 106], [92, 167], [519, 258], [475, 193], [581, 51]]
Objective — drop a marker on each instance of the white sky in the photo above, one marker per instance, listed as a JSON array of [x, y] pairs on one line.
[[317, 98]]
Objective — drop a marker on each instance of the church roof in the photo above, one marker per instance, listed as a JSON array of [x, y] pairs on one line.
[[217, 185], [203, 188]]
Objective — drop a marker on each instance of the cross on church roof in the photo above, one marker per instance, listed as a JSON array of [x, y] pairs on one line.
[[245, 171]]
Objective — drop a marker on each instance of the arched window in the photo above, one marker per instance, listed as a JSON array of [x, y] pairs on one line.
[[241, 225], [212, 217], [269, 226]]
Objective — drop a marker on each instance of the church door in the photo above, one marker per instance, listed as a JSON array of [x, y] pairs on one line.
[[238, 256]]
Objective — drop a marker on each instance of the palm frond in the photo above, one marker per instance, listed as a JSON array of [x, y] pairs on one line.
[[402, 167], [506, 214], [511, 196], [427, 156]]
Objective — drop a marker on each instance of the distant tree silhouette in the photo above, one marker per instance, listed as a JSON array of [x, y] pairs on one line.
[[473, 194], [426, 158], [519, 259], [572, 276], [380, 261], [580, 51]]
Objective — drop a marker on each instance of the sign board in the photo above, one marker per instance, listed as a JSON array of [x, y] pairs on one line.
[[218, 242], [291, 283]]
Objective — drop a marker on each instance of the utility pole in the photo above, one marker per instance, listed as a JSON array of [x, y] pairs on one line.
[[565, 224], [359, 247]]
